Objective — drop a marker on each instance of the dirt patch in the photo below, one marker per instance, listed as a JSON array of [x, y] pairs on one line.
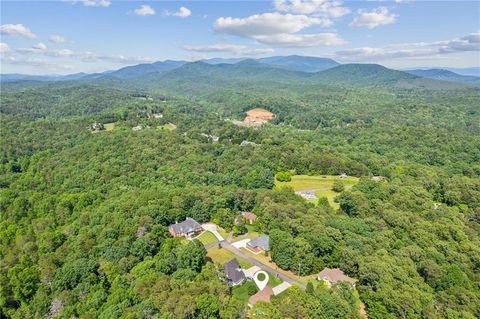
[[258, 116]]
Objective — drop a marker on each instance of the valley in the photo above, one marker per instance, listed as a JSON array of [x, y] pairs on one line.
[[350, 171]]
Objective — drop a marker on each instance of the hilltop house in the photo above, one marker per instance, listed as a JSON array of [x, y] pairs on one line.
[[260, 244], [332, 276], [189, 228], [233, 272], [308, 195], [248, 143], [249, 217]]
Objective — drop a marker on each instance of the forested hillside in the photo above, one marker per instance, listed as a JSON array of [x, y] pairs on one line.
[[85, 213]]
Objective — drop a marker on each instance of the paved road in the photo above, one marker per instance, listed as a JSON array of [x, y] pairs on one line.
[[226, 245]]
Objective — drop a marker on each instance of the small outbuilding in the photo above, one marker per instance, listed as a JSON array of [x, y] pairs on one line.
[[332, 276], [189, 228], [234, 273], [259, 244]]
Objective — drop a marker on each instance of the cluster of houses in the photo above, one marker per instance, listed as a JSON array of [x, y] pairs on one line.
[[235, 275]]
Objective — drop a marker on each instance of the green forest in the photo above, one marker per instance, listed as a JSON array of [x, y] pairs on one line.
[[85, 212]]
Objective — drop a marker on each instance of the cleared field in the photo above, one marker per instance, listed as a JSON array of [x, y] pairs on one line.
[[259, 115], [303, 182], [221, 255], [207, 238], [320, 185], [168, 126], [109, 126]]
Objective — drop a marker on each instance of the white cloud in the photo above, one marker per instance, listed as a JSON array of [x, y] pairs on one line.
[[302, 40], [36, 62], [469, 42], [16, 30], [264, 24], [41, 49], [324, 8], [4, 48], [40, 46], [144, 10], [96, 3], [278, 29], [228, 48], [374, 18], [466, 43], [55, 38], [37, 48], [183, 12]]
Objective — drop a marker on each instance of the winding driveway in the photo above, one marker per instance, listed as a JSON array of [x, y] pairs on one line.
[[226, 245]]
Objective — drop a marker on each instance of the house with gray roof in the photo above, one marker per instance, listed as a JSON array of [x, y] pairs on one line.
[[189, 228], [259, 244], [332, 276], [233, 272]]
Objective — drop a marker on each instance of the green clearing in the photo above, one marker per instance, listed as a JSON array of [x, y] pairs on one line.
[[168, 126], [109, 126], [221, 256], [207, 238], [322, 186], [330, 195]]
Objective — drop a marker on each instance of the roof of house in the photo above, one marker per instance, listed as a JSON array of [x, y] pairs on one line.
[[262, 242], [249, 216], [187, 226], [233, 271], [263, 295], [335, 275]]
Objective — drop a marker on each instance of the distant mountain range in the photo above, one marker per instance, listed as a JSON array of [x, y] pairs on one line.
[[445, 75], [207, 73]]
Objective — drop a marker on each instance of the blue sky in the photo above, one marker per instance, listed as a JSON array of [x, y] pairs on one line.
[[46, 37]]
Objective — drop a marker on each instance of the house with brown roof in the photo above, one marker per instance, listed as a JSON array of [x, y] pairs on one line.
[[263, 295], [249, 217], [189, 228], [332, 276]]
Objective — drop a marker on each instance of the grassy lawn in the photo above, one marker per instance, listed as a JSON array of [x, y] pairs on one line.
[[252, 234], [168, 126], [322, 184], [222, 232], [330, 195], [207, 238], [241, 292], [273, 281], [109, 126], [221, 256]]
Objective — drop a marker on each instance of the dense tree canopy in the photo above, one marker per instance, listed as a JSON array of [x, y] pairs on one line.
[[84, 216]]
